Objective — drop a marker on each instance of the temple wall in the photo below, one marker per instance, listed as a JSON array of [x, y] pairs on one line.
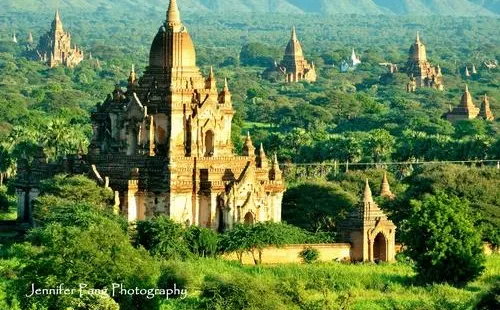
[[204, 213], [181, 207], [290, 253]]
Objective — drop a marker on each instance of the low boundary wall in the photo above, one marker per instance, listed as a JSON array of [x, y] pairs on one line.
[[290, 253]]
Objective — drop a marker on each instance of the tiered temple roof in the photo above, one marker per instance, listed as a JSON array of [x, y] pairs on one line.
[[55, 48]]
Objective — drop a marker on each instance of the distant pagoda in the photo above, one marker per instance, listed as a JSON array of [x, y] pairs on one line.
[[465, 110], [294, 66], [485, 112], [54, 47], [420, 68]]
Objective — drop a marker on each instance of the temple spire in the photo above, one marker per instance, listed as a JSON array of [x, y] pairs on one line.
[[294, 34], [261, 158], [132, 76], [467, 101], [30, 37], [248, 148], [385, 188], [485, 111], [417, 40], [57, 23], [173, 14], [367, 195], [211, 82], [212, 75]]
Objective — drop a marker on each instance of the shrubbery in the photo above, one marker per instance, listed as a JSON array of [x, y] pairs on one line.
[[79, 240], [442, 240], [309, 255]]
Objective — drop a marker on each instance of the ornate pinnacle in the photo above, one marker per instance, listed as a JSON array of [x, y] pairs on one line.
[[385, 189], [294, 34], [248, 148], [367, 195], [132, 76], [173, 14], [275, 161], [261, 150]]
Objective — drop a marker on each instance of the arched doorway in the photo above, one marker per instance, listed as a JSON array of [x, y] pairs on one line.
[[249, 220], [380, 248], [209, 143]]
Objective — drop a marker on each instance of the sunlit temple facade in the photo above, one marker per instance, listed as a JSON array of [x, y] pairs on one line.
[[163, 145], [421, 72], [54, 47], [467, 109]]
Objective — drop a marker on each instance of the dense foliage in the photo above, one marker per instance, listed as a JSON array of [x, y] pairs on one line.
[[443, 241], [309, 255], [316, 206], [80, 241]]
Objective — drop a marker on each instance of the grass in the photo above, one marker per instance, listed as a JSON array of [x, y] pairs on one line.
[[309, 286], [335, 285]]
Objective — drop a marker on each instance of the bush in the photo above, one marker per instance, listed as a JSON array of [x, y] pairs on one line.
[[254, 238], [96, 256], [490, 300], [202, 241], [309, 255], [173, 277], [443, 241], [163, 237], [240, 293]]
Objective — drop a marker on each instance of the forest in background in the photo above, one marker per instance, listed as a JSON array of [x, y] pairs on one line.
[[362, 116]]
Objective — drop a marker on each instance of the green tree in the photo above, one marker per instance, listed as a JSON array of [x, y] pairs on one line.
[[202, 241], [255, 238], [71, 199], [97, 256], [163, 237], [379, 145], [443, 241], [258, 54], [316, 206]]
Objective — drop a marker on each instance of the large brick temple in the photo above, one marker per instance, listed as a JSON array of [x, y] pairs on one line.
[[421, 72], [164, 146], [55, 47]]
